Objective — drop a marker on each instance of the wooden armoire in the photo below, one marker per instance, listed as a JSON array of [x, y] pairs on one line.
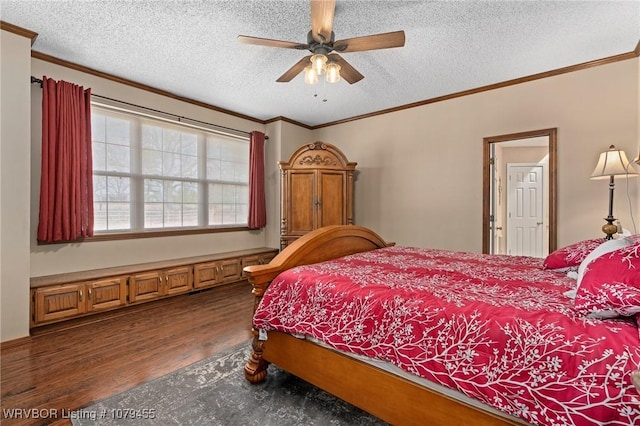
[[316, 190]]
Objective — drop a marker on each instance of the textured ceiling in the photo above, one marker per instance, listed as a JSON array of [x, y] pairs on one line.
[[189, 48]]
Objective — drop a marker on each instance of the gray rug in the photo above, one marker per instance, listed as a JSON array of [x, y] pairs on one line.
[[214, 392]]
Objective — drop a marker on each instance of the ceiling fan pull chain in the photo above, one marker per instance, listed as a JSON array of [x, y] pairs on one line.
[[324, 89]]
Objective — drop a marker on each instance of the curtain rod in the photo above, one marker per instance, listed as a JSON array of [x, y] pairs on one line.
[[35, 80]]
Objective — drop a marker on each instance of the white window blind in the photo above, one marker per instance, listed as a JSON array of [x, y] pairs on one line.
[[153, 172]]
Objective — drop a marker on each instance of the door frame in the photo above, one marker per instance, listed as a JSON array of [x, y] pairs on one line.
[[551, 134]]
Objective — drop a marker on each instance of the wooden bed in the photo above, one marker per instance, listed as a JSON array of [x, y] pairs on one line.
[[391, 398], [363, 385]]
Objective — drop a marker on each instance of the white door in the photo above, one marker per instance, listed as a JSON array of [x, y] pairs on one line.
[[525, 210]]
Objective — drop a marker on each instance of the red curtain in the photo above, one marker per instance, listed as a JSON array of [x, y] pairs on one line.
[[257, 203], [66, 183]]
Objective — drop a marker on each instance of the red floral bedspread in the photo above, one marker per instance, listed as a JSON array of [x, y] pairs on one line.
[[496, 328]]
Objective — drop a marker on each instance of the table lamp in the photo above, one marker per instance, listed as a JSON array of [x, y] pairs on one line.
[[612, 162]]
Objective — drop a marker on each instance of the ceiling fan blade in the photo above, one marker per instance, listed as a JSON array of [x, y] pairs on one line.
[[322, 19], [295, 70], [371, 42], [349, 73], [271, 43]]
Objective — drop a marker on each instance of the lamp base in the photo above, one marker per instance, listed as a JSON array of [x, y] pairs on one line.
[[609, 228]]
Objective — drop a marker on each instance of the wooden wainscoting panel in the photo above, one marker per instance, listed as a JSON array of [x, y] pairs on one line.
[[230, 270], [145, 286], [106, 294], [54, 303], [206, 274], [67, 296], [178, 280]]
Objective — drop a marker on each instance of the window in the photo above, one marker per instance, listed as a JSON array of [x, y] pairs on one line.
[[149, 174]]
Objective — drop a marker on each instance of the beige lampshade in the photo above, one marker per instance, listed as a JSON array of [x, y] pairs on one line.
[[612, 162]]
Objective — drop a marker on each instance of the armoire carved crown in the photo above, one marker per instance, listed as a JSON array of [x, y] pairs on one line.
[[316, 190]]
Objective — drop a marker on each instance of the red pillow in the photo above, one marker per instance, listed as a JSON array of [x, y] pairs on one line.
[[571, 255], [611, 284]]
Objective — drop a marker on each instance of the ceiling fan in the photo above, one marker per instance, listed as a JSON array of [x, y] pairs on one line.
[[321, 43]]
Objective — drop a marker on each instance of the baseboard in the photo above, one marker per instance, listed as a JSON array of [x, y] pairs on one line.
[[15, 342]]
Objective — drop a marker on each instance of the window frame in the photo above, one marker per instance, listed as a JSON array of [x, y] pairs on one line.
[[138, 116]]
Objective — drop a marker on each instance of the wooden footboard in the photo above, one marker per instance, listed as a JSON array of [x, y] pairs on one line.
[[326, 243], [391, 398]]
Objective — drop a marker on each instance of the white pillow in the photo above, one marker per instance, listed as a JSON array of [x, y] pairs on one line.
[[571, 294], [604, 248]]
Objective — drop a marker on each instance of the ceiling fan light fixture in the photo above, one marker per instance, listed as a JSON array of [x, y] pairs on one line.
[[310, 75], [333, 72], [318, 62], [324, 48]]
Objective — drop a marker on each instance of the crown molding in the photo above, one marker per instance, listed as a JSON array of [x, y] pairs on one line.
[[52, 59], [572, 68], [19, 31], [288, 120]]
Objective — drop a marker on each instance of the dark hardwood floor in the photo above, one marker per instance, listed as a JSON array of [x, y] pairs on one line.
[[70, 367]]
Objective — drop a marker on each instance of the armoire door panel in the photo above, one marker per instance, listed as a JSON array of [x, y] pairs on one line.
[[331, 201], [302, 205]]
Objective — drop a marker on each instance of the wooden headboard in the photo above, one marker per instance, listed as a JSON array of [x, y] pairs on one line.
[[325, 243]]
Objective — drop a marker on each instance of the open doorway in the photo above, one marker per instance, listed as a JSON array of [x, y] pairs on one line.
[[519, 193]]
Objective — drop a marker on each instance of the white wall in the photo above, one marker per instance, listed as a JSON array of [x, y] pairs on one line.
[[420, 180], [273, 153], [15, 57], [284, 139]]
